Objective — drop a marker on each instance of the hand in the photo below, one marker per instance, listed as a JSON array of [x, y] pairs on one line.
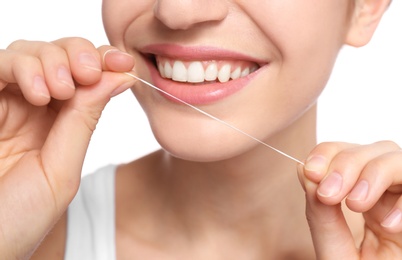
[[368, 178], [51, 97]]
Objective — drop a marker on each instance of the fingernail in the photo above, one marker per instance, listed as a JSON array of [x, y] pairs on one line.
[[316, 164], [122, 88], [40, 87], [116, 51], [392, 219], [64, 76], [88, 61], [360, 191], [331, 185]]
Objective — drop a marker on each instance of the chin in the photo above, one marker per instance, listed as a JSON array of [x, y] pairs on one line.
[[195, 154], [203, 147]]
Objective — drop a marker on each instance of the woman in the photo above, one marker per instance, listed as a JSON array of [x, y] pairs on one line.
[[211, 192]]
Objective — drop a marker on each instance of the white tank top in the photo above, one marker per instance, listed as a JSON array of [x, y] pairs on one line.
[[91, 218]]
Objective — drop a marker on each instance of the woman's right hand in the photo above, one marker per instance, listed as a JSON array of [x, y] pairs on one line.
[[51, 97]]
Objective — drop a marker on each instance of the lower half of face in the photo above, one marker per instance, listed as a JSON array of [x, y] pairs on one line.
[[258, 66]]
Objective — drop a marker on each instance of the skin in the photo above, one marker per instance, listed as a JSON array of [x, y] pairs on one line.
[[231, 199], [275, 84]]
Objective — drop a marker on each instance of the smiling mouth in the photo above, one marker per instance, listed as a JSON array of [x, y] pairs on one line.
[[202, 71]]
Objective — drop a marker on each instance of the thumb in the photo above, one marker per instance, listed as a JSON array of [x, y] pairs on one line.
[[64, 150], [330, 233]]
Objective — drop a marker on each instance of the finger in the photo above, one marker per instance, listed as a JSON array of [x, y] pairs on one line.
[[109, 58], [345, 169], [27, 72], [379, 175], [64, 150], [84, 59], [392, 221], [383, 223], [319, 159], [115, 60], [330, 233], [56, 68]]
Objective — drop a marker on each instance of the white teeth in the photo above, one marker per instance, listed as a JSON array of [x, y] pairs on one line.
[[224, 73], [195, 72], [211, 73], [168, 70], [199, 71], [245, 72], [236, 73], [161, 70], [179, 72]]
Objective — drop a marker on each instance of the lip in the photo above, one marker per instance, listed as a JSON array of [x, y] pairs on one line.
[[197, 94]]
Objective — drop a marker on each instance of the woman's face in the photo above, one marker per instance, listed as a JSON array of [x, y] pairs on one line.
[[257, 64]]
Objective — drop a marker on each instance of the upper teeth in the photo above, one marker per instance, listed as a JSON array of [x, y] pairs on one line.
[[200, 71]]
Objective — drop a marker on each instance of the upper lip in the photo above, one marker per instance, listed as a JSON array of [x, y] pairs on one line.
[[197, 53]]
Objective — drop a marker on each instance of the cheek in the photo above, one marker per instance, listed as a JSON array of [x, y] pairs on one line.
[[303, 33], [265, 109], [280, 96], [306, 37], [117, 15]]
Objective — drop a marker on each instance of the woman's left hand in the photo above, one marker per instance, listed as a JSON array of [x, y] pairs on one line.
[[368, 179]]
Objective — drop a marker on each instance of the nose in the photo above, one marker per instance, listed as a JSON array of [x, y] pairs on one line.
[[183, 14]]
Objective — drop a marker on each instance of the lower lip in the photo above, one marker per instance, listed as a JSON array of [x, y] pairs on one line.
[[197, 94]]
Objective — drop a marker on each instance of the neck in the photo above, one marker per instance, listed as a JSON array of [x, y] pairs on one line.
[[258, 193], [234, 191]]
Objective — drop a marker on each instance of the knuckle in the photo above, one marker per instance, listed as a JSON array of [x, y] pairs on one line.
[[345, 160], [387, 163], [77, 41], [17, 45], [390, 144], [378, 171], [49, 50], [334, 152], [328, 147], [39, 49], [322, 149], [377, 167], [347, 157]]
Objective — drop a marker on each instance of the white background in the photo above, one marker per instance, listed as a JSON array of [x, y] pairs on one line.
[[362, 102]]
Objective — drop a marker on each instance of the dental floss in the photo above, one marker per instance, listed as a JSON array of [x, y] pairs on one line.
[[215, 118]]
